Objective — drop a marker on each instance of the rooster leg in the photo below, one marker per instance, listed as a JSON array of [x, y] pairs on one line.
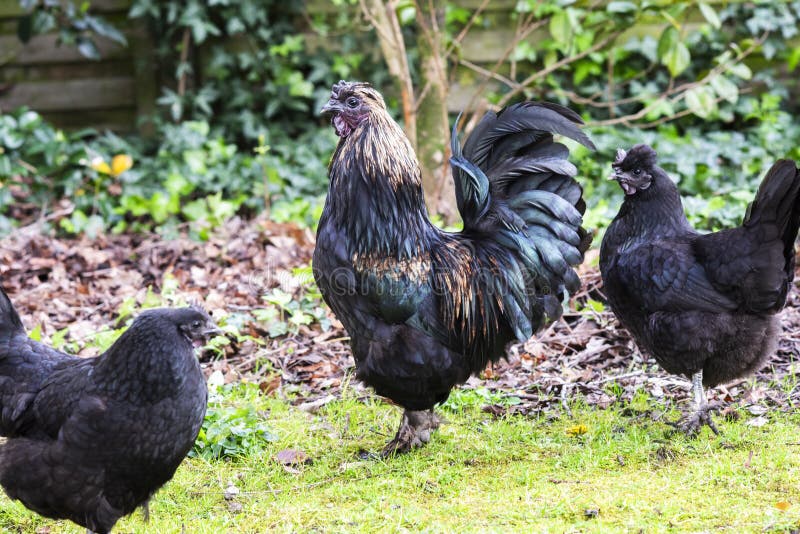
[[415, 431], [691, 423]]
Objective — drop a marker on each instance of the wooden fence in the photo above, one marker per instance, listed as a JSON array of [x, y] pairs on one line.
[[69, 89]]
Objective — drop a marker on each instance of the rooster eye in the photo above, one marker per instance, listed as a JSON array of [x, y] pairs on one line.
[[352, 102], [196, 324], [637, 172]]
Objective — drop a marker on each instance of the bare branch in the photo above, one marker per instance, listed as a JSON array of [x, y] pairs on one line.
[[383, 17], [521, 86]]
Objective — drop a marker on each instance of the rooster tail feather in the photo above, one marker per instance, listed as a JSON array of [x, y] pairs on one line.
[[515, 187]]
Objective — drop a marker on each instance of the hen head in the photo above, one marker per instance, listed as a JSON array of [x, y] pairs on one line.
[[634, 169], [192, 323], [350, 105]]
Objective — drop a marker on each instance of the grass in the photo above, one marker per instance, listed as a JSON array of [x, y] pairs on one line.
[[625, 473]]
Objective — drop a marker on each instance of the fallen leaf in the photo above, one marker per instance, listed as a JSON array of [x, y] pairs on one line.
[[758, 421], [292, 457], [782, 505], [235, 507], [590, 513], [231, 492]]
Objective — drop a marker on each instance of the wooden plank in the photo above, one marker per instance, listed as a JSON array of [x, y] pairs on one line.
[[77, 95], [121, 120], [65, 71], [45, 49], [11, 8]]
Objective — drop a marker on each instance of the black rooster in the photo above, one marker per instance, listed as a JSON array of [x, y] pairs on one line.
[[91, 439], [426, 308], [703, 305]]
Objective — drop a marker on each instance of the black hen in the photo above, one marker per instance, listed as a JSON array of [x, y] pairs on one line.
[[703, 305], [91, 439], [426, 308]]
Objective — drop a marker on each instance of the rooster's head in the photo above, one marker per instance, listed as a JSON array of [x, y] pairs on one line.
[[634, 169], [350, 105]]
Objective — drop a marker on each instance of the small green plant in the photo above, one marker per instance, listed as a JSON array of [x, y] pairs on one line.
[[234, 427], [286, 312]]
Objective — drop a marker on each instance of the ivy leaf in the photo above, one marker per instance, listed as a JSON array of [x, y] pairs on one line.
[[794, 59], [701, 102], [87, 48], [725, 88], [669, 38], [741, 70], [621, 7], [560, 27], [673, 53], [710, 15], [677, 59]]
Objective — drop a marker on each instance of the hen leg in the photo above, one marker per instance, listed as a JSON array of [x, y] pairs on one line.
[[691, 423], [415, 431]]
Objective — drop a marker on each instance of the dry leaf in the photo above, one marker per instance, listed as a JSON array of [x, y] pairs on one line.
[[292, 457], [231, 492], [758, 421], [782, 505]]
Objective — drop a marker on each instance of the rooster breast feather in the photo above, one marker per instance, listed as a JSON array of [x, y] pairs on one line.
[[522, 211]]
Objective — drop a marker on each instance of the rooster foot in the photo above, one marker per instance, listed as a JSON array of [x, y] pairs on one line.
[[691, 423], [415, 431]]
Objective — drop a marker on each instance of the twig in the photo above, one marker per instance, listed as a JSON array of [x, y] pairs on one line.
[[617, 377], [185, 43], [564, 392], [680, 91], [521, 86]]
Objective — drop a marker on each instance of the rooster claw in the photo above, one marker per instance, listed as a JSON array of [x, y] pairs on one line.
[[415, 431], [691, 424]]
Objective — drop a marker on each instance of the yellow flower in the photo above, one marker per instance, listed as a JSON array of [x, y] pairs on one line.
[[99, 164], [120, 163], [577, 430]]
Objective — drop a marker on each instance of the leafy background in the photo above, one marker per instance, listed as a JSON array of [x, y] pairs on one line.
[[242, 137]]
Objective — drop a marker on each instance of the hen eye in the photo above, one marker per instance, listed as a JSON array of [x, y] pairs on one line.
[[352, 102], [196, 324], [637, 172]]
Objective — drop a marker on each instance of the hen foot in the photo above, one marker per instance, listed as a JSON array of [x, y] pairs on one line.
[[415, 431], [691, 423]]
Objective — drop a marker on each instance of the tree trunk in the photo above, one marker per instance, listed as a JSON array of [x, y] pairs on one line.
[[433, 129], [383, 17]]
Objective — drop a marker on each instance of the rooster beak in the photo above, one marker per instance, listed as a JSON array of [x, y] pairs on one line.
[[332, 106]]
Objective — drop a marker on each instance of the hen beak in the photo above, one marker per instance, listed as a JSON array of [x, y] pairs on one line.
[[211, 329], [332, 106]]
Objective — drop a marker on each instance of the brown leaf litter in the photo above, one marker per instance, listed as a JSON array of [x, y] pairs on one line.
[[80, 284]]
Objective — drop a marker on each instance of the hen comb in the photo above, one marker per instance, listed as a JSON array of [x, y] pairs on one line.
[[620, 157]]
